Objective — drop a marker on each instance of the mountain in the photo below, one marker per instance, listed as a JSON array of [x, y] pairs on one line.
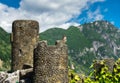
[[86, 43], [5, 47]]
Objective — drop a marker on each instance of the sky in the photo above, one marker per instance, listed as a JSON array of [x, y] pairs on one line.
[[58, 13]]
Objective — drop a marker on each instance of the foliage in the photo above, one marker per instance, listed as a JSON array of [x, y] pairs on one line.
[[80, 42], [102, 76], [73, 77], [5, 49], [76, 42], [83, 37]]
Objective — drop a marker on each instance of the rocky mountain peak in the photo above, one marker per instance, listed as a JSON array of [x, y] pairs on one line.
[[87, 42]]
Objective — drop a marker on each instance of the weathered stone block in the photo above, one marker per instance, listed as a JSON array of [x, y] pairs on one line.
[[13, 77], [25, 35]]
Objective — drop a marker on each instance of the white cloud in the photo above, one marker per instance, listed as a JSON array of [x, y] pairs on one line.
[[48, 13], [67, 25], [96, 15]]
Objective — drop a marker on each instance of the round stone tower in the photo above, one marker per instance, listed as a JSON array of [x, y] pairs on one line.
[[24, 37]]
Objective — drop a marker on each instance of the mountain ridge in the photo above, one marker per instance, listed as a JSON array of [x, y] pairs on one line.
[[86, 42], [90, 41]]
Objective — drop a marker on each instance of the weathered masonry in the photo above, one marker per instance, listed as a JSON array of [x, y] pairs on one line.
[[46, 64], [24, 37], [50, 63]]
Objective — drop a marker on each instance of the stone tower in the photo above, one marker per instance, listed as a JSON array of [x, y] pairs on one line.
[[51, 63], [24, 37]]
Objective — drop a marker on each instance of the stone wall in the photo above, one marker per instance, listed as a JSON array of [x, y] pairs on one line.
[[51, 63], [24, 37], [98, 65]]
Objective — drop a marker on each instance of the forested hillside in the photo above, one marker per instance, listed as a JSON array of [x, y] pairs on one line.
[[86, 43]]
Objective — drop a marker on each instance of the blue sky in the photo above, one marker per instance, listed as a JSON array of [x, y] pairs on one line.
[[60, 13], [11, 3], [110, 10]]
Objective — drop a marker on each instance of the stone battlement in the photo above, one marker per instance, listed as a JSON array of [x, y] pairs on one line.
[[34, 60], [50, 63]]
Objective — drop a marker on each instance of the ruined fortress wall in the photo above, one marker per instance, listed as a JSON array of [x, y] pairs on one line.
[[109, 62], [23, 38], [50, 63]]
